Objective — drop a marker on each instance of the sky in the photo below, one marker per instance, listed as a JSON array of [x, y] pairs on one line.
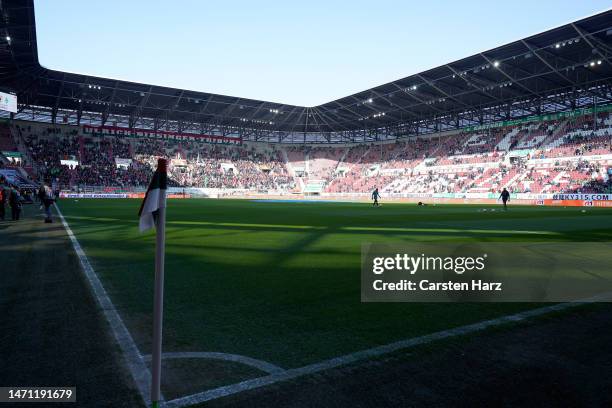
[[302, 53]]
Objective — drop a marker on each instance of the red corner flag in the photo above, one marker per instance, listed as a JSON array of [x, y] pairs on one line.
[[153, 213]]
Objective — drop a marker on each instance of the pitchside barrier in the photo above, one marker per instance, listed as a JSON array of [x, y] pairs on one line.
[[565, 200], [116, 195], [575, 203]]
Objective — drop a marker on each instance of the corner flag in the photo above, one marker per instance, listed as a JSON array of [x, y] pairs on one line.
[[153, 213], [155, 197]]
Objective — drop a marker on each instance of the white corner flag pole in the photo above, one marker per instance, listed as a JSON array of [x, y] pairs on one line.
[[156, 200], [158, 307]]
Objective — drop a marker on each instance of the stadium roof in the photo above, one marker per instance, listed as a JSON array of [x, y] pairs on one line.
[[558, 70]]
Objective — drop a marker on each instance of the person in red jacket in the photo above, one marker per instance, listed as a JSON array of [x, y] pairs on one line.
[[3, 197]]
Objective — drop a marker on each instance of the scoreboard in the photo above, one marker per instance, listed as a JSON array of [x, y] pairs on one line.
[[8, 102]]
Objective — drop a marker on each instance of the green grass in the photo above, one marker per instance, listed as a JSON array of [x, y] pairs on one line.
[[281, 281]]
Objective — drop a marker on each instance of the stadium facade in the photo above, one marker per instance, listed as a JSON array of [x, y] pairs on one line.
[[563, 71]]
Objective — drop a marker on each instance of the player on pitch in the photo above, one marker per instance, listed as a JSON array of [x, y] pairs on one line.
[[375, 197], [505, 197]]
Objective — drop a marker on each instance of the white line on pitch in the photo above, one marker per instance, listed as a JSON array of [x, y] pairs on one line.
[[236, 358], [138, 369], [246, 385]]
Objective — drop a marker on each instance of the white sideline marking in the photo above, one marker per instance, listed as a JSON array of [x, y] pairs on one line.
[[138, 368], [424, 229], [369, 353], [237, 358]]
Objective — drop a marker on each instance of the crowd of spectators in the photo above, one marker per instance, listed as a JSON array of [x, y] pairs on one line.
[[76, 160], [462, 162]]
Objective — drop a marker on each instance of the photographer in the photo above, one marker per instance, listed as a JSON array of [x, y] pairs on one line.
[[46, 195], [15, 203]]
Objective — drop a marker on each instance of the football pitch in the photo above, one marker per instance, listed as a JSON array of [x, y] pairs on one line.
[[280, 281]]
